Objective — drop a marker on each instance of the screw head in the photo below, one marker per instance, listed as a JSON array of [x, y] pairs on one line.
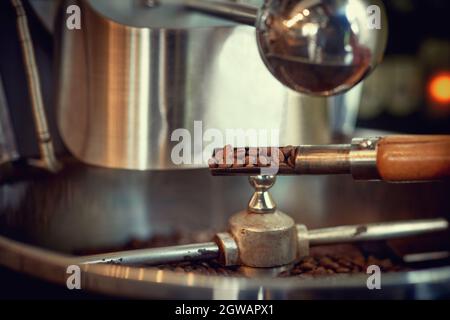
[[262, 183]]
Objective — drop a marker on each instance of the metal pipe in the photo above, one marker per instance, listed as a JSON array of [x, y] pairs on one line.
[[48, 159], [155, 256], [326, 159], [238, 12], [403, 158], [376, 231], [326, 236], [426, 257]]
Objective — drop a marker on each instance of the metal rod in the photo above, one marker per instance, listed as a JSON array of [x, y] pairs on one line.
[[210, 250], [239, 12], [426, 257], [326, 159], [48, 159], [376, 231], [155, 256], [8, 147]]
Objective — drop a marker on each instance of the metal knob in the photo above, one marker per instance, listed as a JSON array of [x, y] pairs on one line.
[[262, 201], [316, 47]]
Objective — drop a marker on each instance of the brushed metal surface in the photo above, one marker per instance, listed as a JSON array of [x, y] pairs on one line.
[[123, 88]]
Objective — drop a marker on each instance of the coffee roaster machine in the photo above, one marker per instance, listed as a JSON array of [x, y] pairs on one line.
[[86, 156]]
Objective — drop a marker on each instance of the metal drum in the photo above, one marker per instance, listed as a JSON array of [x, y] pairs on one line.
[[82, 207]]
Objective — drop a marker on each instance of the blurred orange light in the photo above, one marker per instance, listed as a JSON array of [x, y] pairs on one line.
[[439, 88]]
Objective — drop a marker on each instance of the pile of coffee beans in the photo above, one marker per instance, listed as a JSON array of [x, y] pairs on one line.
[[339, 259], [209, 268], [311, 266], [229, 157]]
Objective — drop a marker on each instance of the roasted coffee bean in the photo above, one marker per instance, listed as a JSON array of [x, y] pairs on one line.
[[218, 155], [281, 157], [228, 150], [291, 162], [319, 271], [342, 270], [228, 153], [359, 261], [264, 152], [344, 262], [292, 156], [212, 163], [310, 260], [277, 158], [307, 266], [250, 161], [263, 161], [239, 163], [286, 151], [239, 159], [293, 153], [328, 263], [253, 152]]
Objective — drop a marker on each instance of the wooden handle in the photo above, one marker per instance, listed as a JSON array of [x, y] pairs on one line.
[[414, 158]]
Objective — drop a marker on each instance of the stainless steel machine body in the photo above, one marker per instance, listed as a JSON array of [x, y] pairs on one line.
[[133, 75]]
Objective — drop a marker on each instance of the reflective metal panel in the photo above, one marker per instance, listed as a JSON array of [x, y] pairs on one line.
[[127, 81]]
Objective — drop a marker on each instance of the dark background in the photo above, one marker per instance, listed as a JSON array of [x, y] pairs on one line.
[[415, 27]]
